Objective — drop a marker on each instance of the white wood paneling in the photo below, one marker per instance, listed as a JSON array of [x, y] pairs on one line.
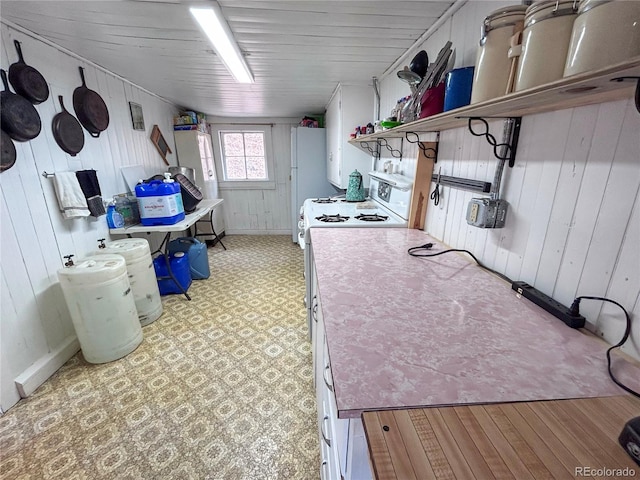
[[261, 211], [574, 220], [34, 237], [298, 50]]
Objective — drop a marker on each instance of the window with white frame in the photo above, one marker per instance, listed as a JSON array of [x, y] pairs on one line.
[[245, 156]]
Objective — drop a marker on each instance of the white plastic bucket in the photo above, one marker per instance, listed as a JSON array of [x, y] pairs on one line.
[[604, 33], [98, 295], [545, 42], [491, 76], [142, 276]]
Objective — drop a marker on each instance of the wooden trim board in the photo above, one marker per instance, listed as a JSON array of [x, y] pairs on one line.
[[421, 185], [545, 439]]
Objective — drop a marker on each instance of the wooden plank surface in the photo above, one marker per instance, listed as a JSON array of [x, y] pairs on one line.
[[422, 182], [551, 439]]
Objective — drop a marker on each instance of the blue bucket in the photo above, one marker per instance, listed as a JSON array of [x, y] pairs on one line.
[[197, 253], [457, 91], [180, 270]]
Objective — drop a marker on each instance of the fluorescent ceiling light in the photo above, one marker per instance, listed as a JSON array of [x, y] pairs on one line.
[[215, 26]]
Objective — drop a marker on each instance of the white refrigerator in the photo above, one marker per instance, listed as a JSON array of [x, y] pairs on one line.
[[308, 170]]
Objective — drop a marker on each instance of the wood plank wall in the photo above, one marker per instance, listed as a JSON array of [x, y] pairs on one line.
[[260, 211], [573, 226], [34, 236]]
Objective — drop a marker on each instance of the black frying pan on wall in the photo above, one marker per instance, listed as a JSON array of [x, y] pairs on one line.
[[19, 117], [90, 108], [27, 81], [8, 157], [67, 131]]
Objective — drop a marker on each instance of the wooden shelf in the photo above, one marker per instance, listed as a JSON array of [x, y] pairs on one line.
[[583, 89]]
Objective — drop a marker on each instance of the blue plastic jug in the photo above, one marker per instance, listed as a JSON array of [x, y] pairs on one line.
[[159, 203], [179, 268], [197, 253]]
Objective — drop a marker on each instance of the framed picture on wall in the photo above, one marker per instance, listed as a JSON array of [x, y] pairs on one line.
[[137, 119], [161, 144]]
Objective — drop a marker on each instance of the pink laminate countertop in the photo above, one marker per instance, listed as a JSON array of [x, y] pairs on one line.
[[412, 332]]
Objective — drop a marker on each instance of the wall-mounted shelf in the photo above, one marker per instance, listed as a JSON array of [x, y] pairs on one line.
[[583, 89]]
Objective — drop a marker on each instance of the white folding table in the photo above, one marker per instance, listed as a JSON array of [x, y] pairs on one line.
[[205, 207]]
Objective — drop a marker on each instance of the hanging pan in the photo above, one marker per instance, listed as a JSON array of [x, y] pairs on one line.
[[27, 81], [19, 117], [8, 152], [67, 131], [90, 108]]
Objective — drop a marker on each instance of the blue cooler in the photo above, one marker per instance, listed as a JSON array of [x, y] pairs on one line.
[[197, 253], [159, 203], [179, 268]]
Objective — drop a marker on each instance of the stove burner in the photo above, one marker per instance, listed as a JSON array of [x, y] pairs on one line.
[[324, 200], [332, 218], [374, 217]]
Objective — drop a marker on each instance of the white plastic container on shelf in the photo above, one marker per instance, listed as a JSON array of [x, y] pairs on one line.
[[142, 276], [493, 65], [545, 41], [604, 33], [100, 301]]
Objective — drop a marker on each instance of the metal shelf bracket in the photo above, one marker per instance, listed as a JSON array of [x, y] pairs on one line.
[[510, 136], [637, 94], [377, 150], [431, 153]]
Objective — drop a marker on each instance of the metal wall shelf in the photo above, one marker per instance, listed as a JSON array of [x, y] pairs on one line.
[[587, 88]]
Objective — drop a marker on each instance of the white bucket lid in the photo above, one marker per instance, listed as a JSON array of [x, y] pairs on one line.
[[93, 269], [130, 248]]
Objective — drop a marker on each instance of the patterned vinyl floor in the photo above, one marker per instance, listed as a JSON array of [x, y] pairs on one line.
[[220, 388]]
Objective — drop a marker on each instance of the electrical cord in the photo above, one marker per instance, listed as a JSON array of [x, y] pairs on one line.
[[428, 246], [575, 309]]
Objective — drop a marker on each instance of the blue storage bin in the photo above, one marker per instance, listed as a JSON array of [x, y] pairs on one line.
[[197, 253], [159, 203], [179, 268]]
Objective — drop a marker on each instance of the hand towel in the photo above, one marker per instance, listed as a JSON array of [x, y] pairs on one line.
[[70, 197], [88, 180]]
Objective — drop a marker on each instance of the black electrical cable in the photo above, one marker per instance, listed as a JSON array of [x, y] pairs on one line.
[[575, 309], [429, 246]]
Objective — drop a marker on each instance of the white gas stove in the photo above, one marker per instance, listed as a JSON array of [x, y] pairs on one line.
[[387, 206]]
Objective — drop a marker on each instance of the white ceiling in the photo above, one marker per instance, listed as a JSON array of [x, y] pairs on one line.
[[298, 50]]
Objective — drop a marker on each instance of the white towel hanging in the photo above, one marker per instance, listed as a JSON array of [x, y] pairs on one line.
[[70, 197]]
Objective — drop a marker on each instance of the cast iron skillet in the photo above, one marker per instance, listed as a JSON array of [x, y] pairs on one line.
[[90, 108], [19, 117], [67, 131], [8, 152], [27, 81]]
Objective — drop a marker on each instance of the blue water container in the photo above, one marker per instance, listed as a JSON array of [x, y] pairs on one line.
[[197, 253], [160, 203], [179, 268]]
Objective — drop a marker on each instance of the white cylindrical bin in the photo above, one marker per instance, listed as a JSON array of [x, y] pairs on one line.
[[604, 33], [545, 40], [99, 298], [142, 276], [493, 65]]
